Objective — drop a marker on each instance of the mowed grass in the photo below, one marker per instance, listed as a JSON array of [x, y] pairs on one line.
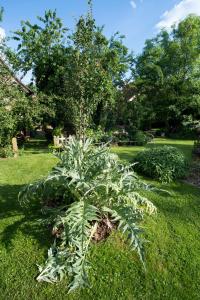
[[172, 250], [185, 146]]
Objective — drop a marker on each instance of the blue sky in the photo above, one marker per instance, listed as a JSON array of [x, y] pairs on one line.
[[137, 20]]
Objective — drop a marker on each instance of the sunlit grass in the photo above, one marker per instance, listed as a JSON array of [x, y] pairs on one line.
[[129, 152], [172, 250]]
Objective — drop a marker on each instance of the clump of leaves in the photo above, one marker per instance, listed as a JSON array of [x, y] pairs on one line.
[[90, 185], [6, 152], [163, 163], [140, 138]]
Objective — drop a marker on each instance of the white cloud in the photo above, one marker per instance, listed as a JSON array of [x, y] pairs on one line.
[[178, 13], [2, 33], [133, 4]]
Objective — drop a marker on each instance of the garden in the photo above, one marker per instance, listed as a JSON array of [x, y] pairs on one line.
[[99, 163]]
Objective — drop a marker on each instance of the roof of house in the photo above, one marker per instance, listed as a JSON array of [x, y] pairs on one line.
[[23, 87]]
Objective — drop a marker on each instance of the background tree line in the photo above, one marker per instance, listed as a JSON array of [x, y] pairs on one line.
[[81, 80]]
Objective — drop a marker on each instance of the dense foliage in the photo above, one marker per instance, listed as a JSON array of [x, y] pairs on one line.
[[88, 185], [18, 111], [140, 138], [85, 80], [167, 76], [164, 163], [76, 74]]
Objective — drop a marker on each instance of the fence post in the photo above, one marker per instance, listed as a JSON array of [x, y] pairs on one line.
[[15, 146]]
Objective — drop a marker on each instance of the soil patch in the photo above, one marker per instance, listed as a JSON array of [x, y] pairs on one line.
[[104, 229]]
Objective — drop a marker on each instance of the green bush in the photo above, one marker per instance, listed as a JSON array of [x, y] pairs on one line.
[[119, 137], [88, 186], [6, 152], [7, 128], [98, 135], [140, 138], [53, 148], [57, 131], [163, 163]]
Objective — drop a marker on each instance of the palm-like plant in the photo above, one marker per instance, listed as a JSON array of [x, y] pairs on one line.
[[88, 184]]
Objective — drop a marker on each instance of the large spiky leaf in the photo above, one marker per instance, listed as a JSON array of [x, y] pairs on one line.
[[79, 226], [79, 220], [127, 218], [55, 267], [86, 179]]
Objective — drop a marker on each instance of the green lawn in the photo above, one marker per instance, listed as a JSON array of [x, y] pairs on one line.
[[172, 253], [184, 145]]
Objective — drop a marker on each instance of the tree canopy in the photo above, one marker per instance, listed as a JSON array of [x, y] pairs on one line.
[[78, 72], [82, 78], [167, 74], [18, 111]]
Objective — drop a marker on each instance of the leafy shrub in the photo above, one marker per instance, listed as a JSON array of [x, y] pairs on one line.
[[7, 127], [140, 138], [95, 134], [189, 127], [88, 185], [57, 131], [54, 148], [164, 163], [98, 135], [119, 136], [6, 152]]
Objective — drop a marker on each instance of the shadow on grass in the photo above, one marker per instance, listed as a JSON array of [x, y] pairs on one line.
[[20, 219], [182, 205], [35, 146], [127, 153]]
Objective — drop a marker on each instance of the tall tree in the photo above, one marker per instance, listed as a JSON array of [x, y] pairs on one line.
[[168, 74], [78, 74], [18, 111]]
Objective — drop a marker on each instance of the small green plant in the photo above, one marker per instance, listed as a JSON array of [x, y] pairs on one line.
[[163, 163], [54, 149], [6, 152], [140, 138], [98, 135], [87, 187], [58, 131]]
